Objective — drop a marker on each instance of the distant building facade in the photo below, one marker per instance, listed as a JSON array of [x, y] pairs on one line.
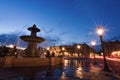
[[112, 48], [76, 50]]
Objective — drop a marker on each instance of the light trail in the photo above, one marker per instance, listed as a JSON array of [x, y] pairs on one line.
[[108, 58]]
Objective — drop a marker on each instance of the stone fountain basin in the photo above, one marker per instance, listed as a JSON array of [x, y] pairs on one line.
[[32, 39]]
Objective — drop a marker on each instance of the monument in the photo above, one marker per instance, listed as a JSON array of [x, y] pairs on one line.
[[32, 41]]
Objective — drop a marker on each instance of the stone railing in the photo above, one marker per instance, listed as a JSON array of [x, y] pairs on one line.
[[30, 62], [2, 60], [11, 61]]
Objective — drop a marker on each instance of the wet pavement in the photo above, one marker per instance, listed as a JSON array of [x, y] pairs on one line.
[[73, 69], [78, 70]]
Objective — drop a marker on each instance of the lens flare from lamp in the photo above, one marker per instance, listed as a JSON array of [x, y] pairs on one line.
[[100, 31]]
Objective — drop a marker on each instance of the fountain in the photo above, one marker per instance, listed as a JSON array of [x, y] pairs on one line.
[[32, 41]]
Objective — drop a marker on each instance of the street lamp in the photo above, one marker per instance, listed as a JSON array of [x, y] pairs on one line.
[[11, 46], [93, 43], [63, 49], [48, 48], [78, 47], [100, 32], [47, 53]]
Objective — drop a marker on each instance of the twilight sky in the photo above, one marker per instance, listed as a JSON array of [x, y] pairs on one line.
[[69, 20]]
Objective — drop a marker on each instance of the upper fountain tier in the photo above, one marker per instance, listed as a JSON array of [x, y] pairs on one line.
[[33, 37], [34, 30]]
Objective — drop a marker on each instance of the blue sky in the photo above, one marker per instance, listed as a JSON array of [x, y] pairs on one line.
[[69, 20]]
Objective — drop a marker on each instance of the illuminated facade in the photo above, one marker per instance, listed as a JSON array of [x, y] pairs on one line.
[[112, 48], [76, 50]]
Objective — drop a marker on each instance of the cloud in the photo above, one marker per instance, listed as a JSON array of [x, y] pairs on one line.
[[8, 38], [46, 31], [50, 41], [63, 33], [114, 38], [13, 38]]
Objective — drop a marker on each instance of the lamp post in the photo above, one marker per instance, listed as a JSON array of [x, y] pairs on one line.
[[78, 47], [48, 53], [63, 49], [100, 32], [12, 49], [93, 43]]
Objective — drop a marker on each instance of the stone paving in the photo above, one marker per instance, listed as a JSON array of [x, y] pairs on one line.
[[89, 73], [92, 72], [95, 73]]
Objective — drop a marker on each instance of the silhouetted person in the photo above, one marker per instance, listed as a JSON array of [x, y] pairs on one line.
[[14, 52], [53, 54], [3, 51], [47, 54]]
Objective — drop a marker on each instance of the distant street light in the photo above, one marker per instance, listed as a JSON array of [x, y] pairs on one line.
[[63, 49], [93, 43], [100, 32], [48, 52], [48, 48], [78, 47], [11, 46]]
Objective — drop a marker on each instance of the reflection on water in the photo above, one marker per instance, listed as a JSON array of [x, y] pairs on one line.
[[71, 70]]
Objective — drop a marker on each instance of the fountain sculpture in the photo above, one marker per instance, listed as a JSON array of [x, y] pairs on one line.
[[32, 41]]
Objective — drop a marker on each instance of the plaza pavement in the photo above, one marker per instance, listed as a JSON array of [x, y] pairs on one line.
[[94, 72], [97, 73]]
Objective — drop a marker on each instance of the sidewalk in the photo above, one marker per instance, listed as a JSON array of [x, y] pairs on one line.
[[96, 73], [113, 59], [113, 63]]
